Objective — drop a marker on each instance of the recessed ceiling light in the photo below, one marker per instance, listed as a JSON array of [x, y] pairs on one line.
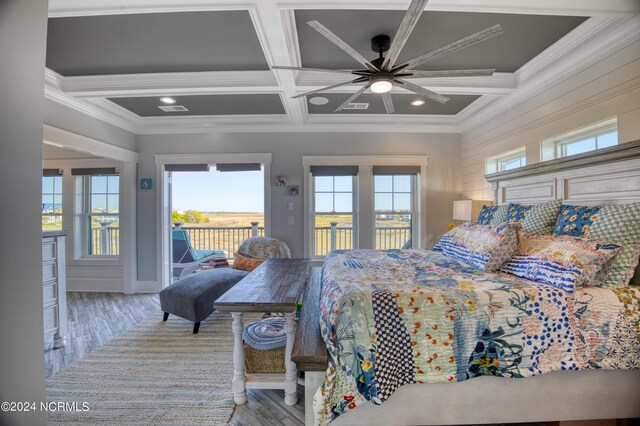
[[417, 102], [167, 100], [318, 100]]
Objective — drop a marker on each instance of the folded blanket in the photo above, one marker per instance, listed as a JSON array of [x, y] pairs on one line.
[[266, 334]]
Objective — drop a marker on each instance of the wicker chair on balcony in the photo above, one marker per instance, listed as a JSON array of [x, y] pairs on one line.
[[264, 248], [186, 259]]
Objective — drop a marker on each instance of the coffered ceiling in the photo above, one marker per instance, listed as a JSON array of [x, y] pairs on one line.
[[114, 60]]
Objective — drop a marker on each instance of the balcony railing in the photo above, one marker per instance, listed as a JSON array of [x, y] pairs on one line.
[[333, 237], [225, 238], [106, 240]]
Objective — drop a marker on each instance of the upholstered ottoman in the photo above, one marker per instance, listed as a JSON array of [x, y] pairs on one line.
[[192, 297]]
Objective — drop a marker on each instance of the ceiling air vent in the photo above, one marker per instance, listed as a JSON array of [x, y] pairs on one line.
[[172, 108], [357, 105]]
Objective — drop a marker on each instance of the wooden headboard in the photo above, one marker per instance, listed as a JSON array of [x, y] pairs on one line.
[[606, 176]]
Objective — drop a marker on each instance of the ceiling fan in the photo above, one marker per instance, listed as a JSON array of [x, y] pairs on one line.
[[382, 73]]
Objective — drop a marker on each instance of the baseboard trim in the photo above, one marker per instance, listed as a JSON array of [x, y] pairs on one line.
[[148, 286]]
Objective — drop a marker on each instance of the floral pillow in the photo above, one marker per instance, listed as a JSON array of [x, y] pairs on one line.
[[486, 247], [246, 263], [487, 212], [564, 262], [619, 224], [517, 212], [575, 220]]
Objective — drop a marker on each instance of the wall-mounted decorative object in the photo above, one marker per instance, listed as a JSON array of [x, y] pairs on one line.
[[146, 183], [281, 180], [293, 190]]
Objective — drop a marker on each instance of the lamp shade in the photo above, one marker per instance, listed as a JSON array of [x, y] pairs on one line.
[[468, 210]]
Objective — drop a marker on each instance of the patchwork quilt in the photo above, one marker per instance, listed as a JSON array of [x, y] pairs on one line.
[[395, 317]]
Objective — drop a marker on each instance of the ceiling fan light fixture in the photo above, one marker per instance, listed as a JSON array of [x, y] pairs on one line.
[[418, 102], [381, 83]]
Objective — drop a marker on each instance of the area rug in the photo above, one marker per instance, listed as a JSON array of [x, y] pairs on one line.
[[155, 373]]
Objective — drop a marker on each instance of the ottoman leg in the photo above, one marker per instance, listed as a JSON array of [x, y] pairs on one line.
[[196, 327], [166, 316]]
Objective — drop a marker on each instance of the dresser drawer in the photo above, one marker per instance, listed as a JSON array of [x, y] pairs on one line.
[[50, 319], [48, 249], [49, 271], [49, 293]]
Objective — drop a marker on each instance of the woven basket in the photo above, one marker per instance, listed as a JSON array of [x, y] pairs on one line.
[[269, 361]]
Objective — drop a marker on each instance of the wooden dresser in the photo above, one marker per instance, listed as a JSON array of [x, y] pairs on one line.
[[54, 287]]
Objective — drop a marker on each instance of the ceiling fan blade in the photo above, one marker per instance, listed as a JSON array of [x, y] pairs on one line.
[[282, 67], [341, 44], [352, 98], [404, 31], [485, 34], [422, 91], [324, 89], [388, 103], [448, 73]]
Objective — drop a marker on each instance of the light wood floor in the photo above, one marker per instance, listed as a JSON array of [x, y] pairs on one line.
[[96, 318]]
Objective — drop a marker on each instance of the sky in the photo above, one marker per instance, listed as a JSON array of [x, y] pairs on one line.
[[215, 191]]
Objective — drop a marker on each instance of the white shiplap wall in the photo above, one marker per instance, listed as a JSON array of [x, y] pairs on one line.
[[609, 88]]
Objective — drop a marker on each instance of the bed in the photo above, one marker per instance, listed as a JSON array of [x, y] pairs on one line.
[[489, 347]]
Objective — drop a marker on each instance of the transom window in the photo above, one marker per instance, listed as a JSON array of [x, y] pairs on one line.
[[595, 136], [506, 161], [591, 144], [51, 200], [511, 163]]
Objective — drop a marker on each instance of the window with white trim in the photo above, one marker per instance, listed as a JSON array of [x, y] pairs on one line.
[[395, 206], [99, 213], [51, 200], [506, 161], [334, 215], [595, 136]]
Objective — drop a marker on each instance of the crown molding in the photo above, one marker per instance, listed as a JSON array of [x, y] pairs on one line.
[[476, 107], [129, 85], [291, 34], [68, 8], [601, 43], [405, 123], [63, 8], [541, 7], [53, 93], [63, 138], [112, 108], [589, 30]]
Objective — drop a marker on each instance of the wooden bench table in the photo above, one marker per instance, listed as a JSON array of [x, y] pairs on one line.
[[275, 286], [309, 350]]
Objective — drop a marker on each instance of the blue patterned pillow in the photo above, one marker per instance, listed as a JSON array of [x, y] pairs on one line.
[[486, 214], [517, 212], [575, 220], [486, 247]]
